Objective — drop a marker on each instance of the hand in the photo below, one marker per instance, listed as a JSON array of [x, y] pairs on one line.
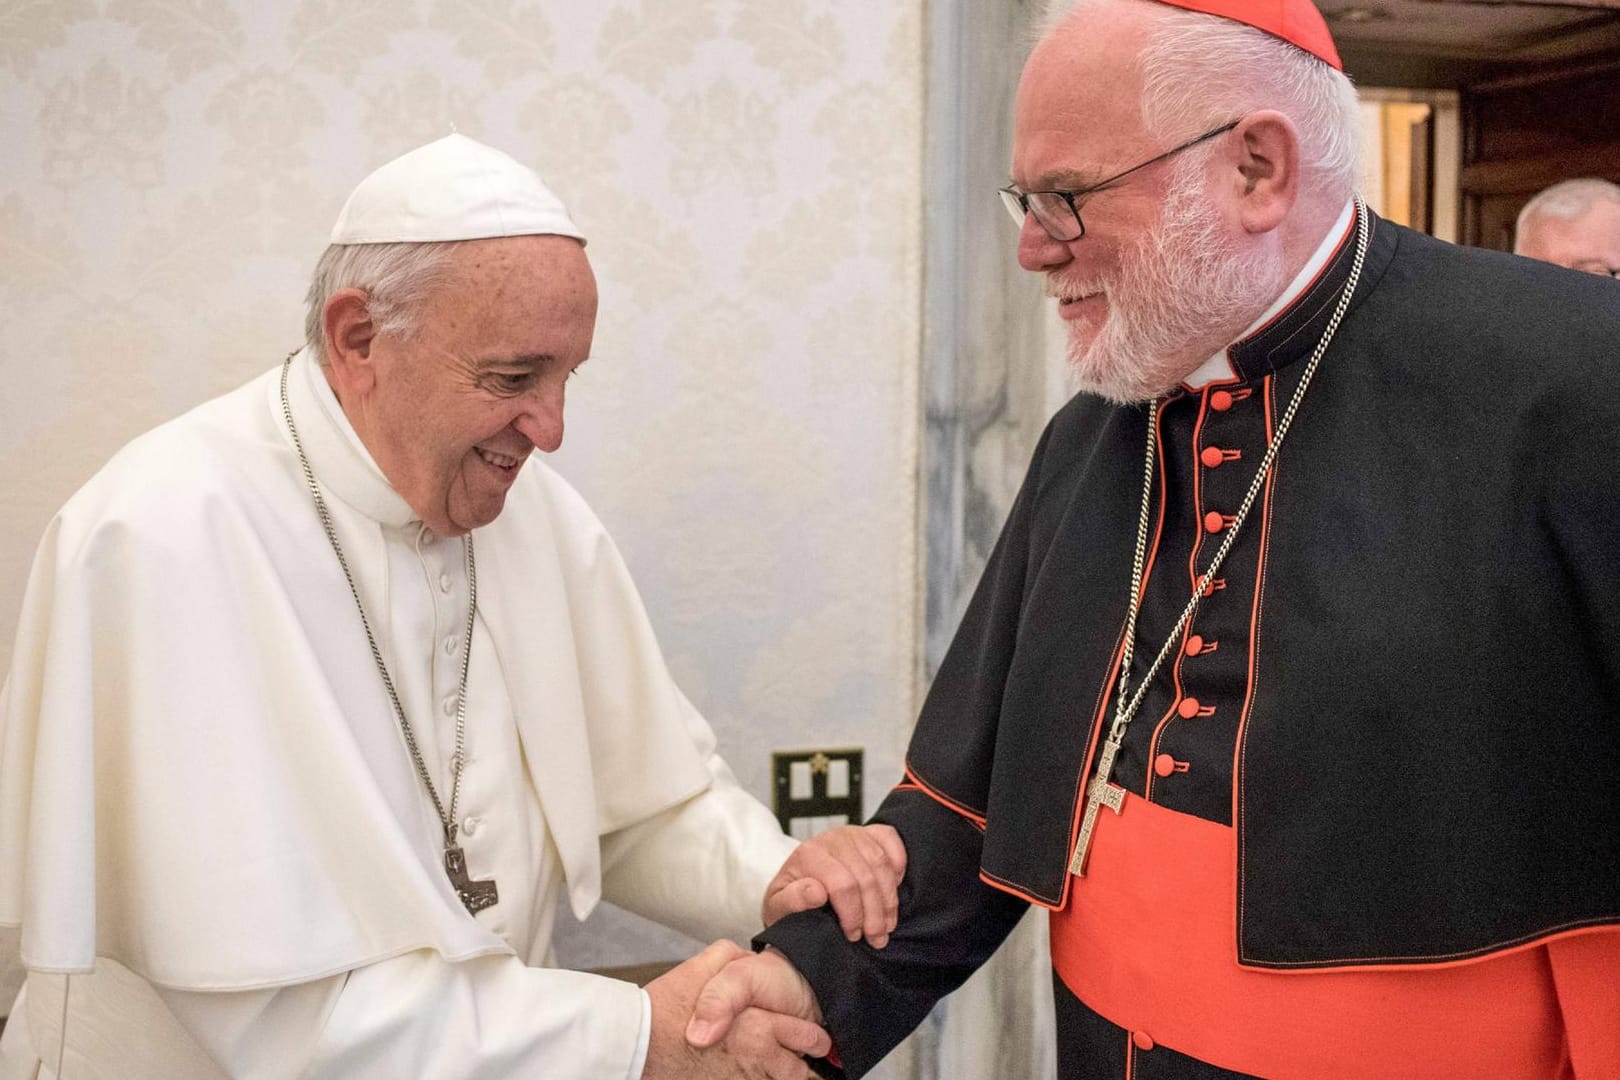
[[739, 991], [857, 868], [757, 1044]]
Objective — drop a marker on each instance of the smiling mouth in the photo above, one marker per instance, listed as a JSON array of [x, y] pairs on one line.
[[1070, 292], [500, 461], [1076, 297], [1071, 306]]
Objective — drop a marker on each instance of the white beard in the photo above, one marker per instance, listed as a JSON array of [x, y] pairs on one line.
[[1178, 293]]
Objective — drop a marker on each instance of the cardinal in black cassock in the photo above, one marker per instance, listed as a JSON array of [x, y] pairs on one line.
[[1292, 687]]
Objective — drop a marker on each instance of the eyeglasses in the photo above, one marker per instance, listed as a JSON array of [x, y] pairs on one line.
[[1597, 268], [1059, 214]]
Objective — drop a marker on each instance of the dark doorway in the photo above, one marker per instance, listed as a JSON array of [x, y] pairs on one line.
[[1538, 84]]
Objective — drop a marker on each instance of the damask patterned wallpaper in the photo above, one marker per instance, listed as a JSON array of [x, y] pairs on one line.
[[748, 172]]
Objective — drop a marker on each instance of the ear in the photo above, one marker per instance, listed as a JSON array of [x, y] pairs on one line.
[[349, 334], [1268, 169]]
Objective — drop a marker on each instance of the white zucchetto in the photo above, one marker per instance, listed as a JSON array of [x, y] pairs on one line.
[[454, 188]]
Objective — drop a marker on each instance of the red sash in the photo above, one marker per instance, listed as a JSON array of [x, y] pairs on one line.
[[1148, 941]]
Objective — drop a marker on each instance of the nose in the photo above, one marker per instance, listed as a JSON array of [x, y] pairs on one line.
[[1037, 251], [541, 421]]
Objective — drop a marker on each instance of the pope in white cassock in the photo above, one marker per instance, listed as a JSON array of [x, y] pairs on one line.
[[324, 693]]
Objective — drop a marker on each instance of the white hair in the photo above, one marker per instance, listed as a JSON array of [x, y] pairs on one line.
[[396, 278], [1199, 70], [1569, 200]]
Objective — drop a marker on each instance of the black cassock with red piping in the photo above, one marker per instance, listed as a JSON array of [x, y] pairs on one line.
[[1403, 690]]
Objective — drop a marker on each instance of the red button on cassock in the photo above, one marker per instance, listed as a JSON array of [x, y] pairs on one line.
[[1164, 764], [1220, 401], [1195, 645], [1142, 1040], [1188, 708], [1214, 522], [1213, 457]]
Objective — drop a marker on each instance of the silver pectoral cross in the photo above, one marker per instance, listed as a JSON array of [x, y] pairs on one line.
[[477, 895], [1099, 793]]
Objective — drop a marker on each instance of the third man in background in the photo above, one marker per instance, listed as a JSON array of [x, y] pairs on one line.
[[1576, 224]]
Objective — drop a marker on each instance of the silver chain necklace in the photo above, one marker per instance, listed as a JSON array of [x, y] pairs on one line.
[[1101, 791], [476, 895]]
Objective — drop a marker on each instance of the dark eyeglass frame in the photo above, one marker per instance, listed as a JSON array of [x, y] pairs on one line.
[[1043, 204]]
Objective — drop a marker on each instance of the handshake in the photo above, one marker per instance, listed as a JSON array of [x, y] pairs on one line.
[[730, 1013]]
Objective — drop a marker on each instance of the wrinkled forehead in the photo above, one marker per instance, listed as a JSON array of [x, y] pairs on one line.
[[526, 294], [524, 271], [1078, 108], [556, 258]]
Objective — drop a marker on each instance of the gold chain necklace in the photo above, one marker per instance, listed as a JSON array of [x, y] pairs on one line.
[[476, 895], [1102, 791]]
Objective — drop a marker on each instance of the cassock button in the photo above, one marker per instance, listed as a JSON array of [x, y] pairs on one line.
[[449, 706], [1220, 401], [1142, 1040], [1164, 764], [450, 645], [1213, 457], [1214, 522], [1188, 709], [444, 582], [1195, 645], [469, 826]]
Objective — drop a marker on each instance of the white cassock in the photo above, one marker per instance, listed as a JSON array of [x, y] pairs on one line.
[[205, 797]]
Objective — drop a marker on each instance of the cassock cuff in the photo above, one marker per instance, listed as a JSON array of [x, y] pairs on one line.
[[639, 1063]]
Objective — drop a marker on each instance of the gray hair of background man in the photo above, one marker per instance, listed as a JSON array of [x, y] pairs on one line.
[[1568, 200], [397, 278], [1200, 69]]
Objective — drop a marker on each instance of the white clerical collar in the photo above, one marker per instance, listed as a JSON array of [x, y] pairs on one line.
[[341, 461], [1218, 368]]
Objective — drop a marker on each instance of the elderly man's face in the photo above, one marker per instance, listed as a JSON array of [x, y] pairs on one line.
[[1152, 289], [1590, 243], [456, 410]]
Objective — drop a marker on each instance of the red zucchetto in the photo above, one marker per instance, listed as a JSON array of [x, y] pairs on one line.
[[1295, 21]]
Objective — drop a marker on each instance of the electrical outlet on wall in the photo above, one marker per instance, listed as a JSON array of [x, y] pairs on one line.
[[816, 790]]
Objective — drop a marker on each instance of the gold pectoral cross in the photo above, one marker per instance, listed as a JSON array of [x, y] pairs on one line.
[[1099, 793], [477, 895]]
